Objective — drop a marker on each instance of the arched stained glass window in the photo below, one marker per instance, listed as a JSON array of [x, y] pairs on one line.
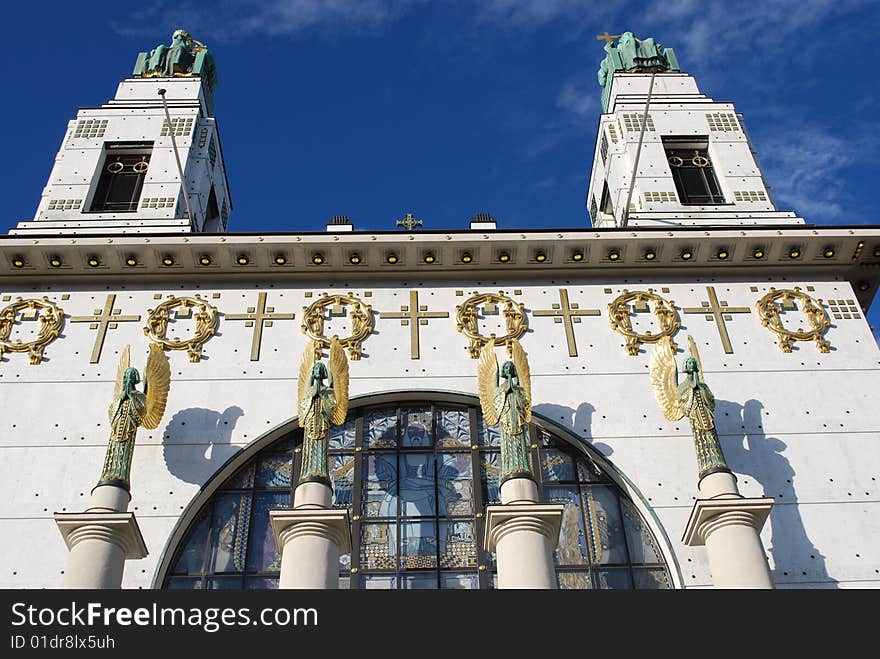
[[416, 479]]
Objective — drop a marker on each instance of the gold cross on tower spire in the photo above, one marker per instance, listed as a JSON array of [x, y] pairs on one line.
[[608, 38]]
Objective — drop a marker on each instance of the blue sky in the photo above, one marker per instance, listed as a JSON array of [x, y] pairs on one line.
[[374, 108]]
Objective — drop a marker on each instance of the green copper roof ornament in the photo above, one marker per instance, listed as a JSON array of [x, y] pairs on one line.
[[632, 55], [184, 57]]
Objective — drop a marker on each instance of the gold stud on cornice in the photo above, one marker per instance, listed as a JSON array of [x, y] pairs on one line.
[[723, 254], [18, 261], [204, 259], [577, 255], [828, 252], [686, 254], [168, 260], [93, 261], [758, 253], [131, 261], [55, 261], [280, 259]]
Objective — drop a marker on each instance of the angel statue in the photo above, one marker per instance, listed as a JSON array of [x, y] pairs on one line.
[[691, 398], [320, 407], [506, 399], [132, 409]]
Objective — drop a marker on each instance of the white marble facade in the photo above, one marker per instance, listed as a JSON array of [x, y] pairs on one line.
[[797, 427]]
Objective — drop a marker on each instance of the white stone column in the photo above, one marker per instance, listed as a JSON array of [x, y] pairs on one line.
[[310, 538], [100, 540], [523, 534], [729, 525]]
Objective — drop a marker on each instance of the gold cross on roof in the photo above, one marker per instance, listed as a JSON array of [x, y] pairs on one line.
[[608, 38], [409, 222]]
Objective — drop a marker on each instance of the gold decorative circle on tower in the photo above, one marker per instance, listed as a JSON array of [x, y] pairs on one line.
[[361, 322], [206, 320], [467, 320], [663, 309], [769, 310], [50, 317]]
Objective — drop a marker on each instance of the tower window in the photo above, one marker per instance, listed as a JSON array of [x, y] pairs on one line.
[[605, 205], [692, 171], [123, 171], [603, 148]]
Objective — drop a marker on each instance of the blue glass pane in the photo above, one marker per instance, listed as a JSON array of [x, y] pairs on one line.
[[380, 429], [612, 579], [417, 487], [342, 476], [642, 546], [572, 547], [378, 582], [418, 545], [651, 579], [287, 443], [274, 470], [490, 477], [458, 546], [455, 484], [605, 539], [184, 583], [344, 582], [224, 583], [573, 580], [556, 465], [419, 582], [589, 472], [487, 435], [261, 583], [453, 428], [192, 557], [545, 439], [229, 532], [342, 437], [380, 485], [345, 562], [243, 478], [262, 556], [416, 427], [378, 546], [459, 581]]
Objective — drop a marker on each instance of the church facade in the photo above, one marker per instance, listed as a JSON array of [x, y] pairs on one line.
[[129, 247]]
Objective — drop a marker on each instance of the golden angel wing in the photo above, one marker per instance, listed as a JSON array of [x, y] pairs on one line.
[[664, 379], [157, 382], [692, 348], [124, 363], [521, 362], [305, 371], [339, 371], [487, 373]]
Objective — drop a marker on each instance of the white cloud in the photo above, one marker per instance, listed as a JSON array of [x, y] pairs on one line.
[[581, 99]]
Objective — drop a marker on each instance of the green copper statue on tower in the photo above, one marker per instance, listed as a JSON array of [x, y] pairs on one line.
[[184, 57], [506, 399], [633, 55], [691, 398]]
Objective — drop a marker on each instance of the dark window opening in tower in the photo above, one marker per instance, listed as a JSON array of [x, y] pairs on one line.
[[123, 170], [605, 205], [692, 171], [212, 213]]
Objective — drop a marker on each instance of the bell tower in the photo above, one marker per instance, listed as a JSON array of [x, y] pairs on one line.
[[666, 154], [147, 161]]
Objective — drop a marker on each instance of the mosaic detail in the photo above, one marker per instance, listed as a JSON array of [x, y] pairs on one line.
[[64, 205], [844, 309], [89, 128]]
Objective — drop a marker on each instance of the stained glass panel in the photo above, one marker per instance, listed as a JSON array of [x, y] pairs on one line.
[[342, 476], [453, 428], [417, 485], [262, 556], [416, 427], [192, 557], [261, 583], [651, 578], [459, 581], [224, 583], [380, 485], [419, 581], [490, 477], [556, 465], [243, 478], [605, 539], [572, 547], [612, 579], [573, 580], [229, 532], [274, 470], [455, 484], [418, 545], [487, 435], [589, 472], [342, 437], [642, 546], [458, 546], [184, 583], [378, 546], [381, 429]]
